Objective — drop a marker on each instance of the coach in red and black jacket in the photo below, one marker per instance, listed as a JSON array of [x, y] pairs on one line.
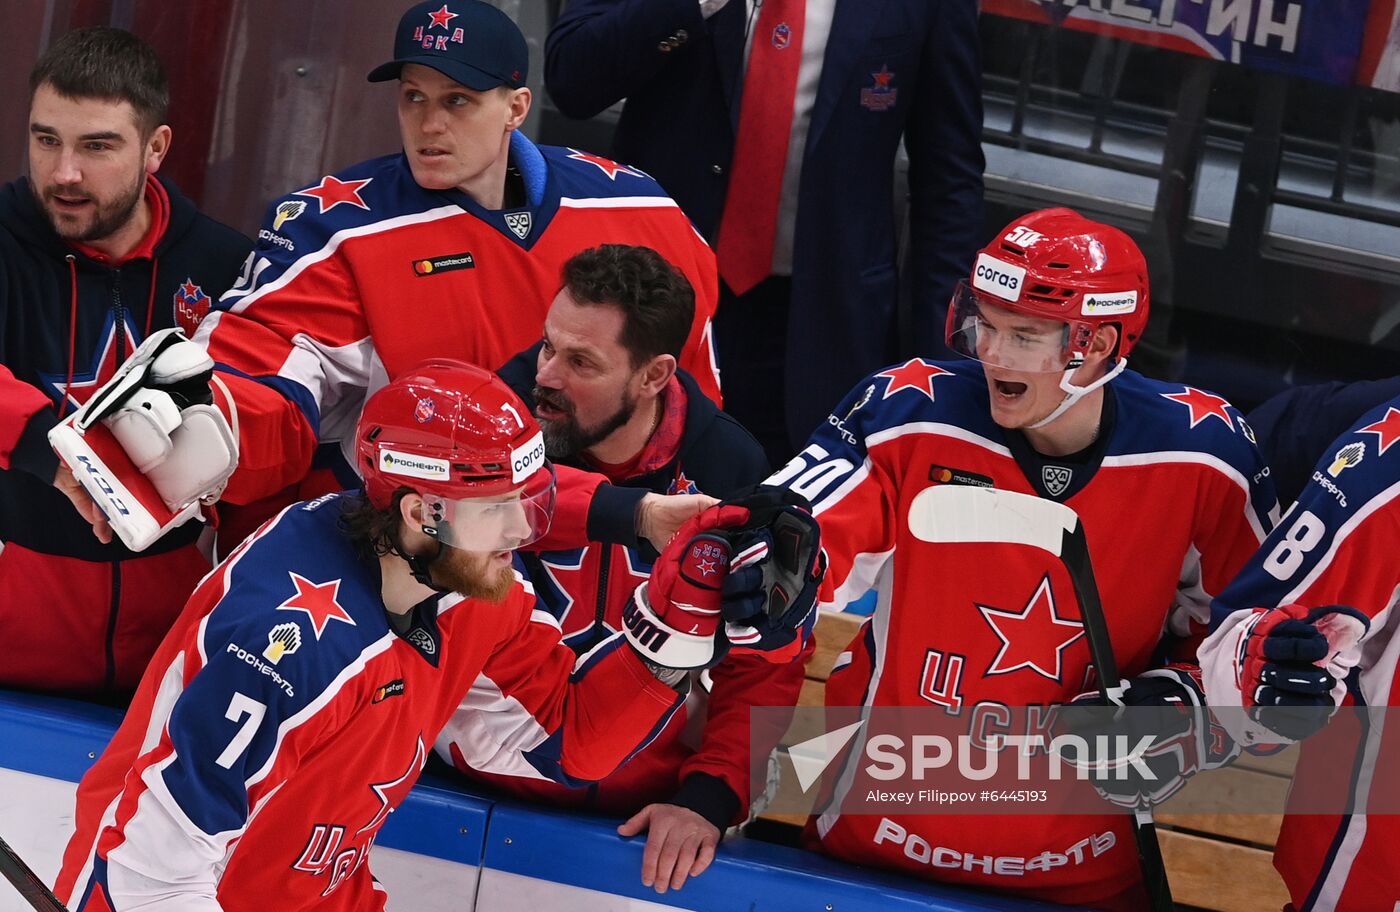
[[96, 253], [604, 386]]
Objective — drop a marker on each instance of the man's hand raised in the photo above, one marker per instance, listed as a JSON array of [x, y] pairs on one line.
[[660, 515]]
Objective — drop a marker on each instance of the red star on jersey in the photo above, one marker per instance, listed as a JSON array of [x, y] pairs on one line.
[[332, 191], [916, 375], [1387, 429], [441, 17], [1202, 405], [882, 78], [609, 167], [190, 289], [392, 793], [1034, 638], [318, 601]]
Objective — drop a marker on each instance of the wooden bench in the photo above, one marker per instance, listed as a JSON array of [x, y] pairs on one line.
[[1218, 862]]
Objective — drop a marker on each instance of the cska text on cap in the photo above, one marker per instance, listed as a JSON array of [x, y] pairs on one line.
[[468, 41]]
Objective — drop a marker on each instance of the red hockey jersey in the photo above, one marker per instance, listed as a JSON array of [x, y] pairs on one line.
[[1336, 545], [367, 274], [283, 719], [1173, 498]]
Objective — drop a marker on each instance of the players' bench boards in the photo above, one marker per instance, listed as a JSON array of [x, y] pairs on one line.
[[448, 851], [1220, 862]]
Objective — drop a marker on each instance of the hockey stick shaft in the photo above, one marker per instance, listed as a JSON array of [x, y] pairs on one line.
[[27, 882], [1074, 553]]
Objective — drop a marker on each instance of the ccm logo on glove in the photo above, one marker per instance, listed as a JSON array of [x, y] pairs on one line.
[[104, 485]]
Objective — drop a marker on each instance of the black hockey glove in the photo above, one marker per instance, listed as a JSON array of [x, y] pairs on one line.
[[1284, 677], [1140, 754]]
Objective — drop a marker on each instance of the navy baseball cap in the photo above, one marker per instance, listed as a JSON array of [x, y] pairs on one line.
[[467, 41]]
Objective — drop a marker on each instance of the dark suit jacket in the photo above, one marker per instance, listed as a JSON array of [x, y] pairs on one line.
[[682, 77]]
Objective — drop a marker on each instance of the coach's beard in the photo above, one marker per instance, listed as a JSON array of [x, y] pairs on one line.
[[565, 437]]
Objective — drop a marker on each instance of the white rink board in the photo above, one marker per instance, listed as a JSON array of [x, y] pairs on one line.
[[36, 819], [419, 882], [502, 891]]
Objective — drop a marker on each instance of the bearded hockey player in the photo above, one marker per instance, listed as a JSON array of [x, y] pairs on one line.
[[449, 248], [1310, 624], [241, 774], [1168, 485]]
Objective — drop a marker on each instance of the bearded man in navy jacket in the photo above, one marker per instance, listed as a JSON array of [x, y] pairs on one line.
[[96, 253]]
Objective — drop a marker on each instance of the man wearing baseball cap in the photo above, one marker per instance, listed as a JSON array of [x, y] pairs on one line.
[[450, 248], [483, 51]]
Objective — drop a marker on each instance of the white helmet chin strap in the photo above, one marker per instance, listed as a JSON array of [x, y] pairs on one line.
[[1074, 393]]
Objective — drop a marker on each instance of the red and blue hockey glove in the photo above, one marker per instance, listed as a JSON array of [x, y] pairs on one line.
[[673, 618], [1288, 665], [1160, 737], [770, 597]]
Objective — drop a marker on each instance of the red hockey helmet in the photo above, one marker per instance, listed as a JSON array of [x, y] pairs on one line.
[[1055, 264], [457, 435]]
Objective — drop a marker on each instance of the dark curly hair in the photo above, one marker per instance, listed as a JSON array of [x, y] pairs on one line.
[[656, 299], [373, 530]]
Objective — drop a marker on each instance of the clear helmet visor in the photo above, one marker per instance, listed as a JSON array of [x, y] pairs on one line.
[[490, 524], [983, 331]]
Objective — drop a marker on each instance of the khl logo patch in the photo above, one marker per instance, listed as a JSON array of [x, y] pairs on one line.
[[519, 224], [1056, 478]]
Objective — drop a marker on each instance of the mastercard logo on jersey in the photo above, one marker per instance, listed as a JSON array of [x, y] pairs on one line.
[[447, 263], [946, 475], [394, 688]]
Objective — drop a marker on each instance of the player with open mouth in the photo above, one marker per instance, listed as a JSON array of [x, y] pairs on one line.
[[988, 627]]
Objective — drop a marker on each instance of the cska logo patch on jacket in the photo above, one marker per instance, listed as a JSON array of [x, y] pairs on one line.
[[609, 167], [1387, 430], [1202, 405], [191, 306], [682, 485], [332, 192]]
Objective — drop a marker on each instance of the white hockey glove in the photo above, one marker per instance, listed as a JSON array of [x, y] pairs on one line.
[[150, 444]]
